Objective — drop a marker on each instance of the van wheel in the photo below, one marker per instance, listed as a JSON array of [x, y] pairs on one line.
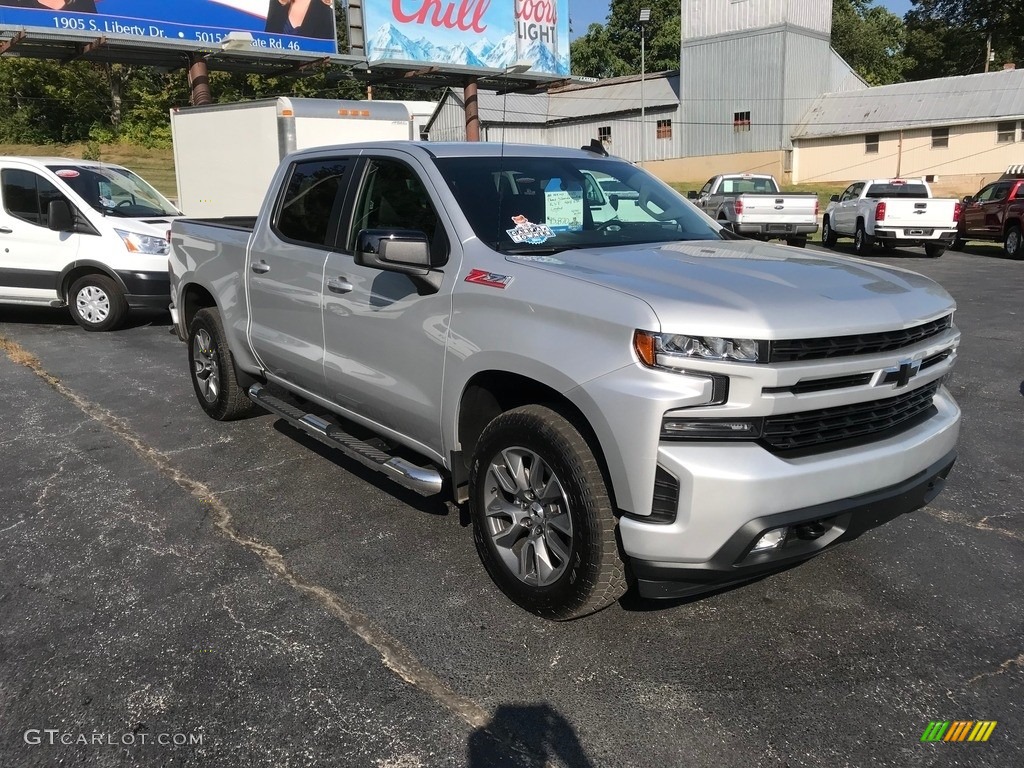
[[828, 235], [861, 241], [97, 303], [1012, 243], [213, 369], [543, 520]]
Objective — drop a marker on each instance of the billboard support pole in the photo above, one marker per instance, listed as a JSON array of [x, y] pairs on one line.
[[199, 80], [472, 111]]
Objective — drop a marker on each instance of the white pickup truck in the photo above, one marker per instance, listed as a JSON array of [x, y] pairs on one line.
[[752, 204], [87, 235], [891, 212]]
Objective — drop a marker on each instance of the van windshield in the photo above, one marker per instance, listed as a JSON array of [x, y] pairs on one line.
[[115, 191], [544, 204]]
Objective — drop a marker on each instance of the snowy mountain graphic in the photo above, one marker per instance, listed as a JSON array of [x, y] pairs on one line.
[[389, 42]]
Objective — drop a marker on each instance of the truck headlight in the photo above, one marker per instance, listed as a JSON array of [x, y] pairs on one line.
[[136, 243], [672, 350]]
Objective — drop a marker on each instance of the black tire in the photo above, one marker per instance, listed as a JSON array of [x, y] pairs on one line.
[[888, 247], [97, 303], [934, 250], [525, 456], [862, 244], [1012, 244], [958, 244], [796, 242], [213, 369], [828, 235]]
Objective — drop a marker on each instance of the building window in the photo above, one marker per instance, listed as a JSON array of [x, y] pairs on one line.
[[871, 143], [940, 138], [1006, 132], [740, 122], [664, 130], [604, 133]]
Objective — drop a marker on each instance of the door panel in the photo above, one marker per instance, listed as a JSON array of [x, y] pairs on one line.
[[286, 268], [32, 255], [385, 343]]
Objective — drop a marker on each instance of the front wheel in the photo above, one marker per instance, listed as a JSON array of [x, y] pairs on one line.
[[97, 303], [933, 251], [543, 520], [213, 369], [861, 241], [1012, 243], [828, 235]]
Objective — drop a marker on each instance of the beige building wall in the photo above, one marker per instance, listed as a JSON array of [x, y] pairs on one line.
[[974, 156], [700, 169]]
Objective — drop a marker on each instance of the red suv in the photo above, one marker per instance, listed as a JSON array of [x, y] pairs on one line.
[[996, 213]]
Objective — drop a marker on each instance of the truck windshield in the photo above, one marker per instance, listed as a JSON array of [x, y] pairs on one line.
[[544, 204], [915, 191], [115, 191]]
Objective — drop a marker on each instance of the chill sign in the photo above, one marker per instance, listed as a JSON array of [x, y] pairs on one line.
[[536, 27]]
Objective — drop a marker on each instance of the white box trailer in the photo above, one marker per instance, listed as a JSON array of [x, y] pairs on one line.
[[225, 154]]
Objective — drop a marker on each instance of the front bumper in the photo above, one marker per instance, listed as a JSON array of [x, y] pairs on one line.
[[151, 290], [812, 530]]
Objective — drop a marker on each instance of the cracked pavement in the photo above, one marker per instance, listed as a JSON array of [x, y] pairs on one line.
[[167, 574]]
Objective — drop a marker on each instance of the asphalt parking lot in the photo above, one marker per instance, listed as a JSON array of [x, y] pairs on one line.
[[177, 591]]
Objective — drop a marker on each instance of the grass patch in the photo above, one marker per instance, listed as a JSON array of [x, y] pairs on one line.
[[154, 165]]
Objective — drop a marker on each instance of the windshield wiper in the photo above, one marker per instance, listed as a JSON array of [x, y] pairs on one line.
[[544, 251]]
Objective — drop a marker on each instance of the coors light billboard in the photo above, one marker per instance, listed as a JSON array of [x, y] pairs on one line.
[[476, 33]]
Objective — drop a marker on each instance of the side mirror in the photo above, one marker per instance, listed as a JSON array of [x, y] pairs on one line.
[[59, 217], [834, 199], [613, 200], [968, 199], [394, 250], [691, 195]]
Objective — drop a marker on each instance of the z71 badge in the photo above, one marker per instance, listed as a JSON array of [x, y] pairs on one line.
[[491, 279]]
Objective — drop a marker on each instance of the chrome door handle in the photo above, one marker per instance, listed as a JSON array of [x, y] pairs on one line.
[[6, 230], [339, 285], [260, 267]]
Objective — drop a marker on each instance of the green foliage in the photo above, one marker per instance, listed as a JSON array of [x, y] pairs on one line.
[[613, 50], [948, 37], [871, 40]]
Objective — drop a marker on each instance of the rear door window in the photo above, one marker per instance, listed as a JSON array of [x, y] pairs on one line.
[[308, 209]]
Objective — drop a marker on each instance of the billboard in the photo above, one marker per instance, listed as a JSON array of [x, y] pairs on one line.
[[475, 33], [275, 25]]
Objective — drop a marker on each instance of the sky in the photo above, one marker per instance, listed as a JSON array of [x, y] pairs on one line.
[[583, 13]]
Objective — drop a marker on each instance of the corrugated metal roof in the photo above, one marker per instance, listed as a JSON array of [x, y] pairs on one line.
[[942, 101], [576, 102]]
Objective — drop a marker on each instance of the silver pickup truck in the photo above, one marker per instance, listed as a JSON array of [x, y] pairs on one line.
[[652, 402], [752, 205]]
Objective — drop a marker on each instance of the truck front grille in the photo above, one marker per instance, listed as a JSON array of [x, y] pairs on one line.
[[825, 427], [790, 350]]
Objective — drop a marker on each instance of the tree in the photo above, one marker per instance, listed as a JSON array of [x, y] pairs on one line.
[[613, 49], [949, 37], [871, 40]]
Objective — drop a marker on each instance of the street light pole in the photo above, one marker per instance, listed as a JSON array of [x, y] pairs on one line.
[[645, 16]]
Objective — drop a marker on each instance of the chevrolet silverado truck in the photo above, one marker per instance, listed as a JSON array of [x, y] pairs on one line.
[[892, 213], [655, 402], [84, 235], [996, 214], [751, 204]]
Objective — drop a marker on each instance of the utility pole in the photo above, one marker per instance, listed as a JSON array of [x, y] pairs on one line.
[[645, 16], [988, 51]]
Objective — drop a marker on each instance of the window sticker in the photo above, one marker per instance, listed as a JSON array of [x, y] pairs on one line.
[[525, 231], [563, 206]]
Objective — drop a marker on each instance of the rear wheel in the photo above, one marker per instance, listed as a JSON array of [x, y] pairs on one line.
[[213, 369], [933, 251], [828, 235], [861, 241], [958, 244], [888, 247], [97, 303], [1012, 243], [543, 519], [796, 242]]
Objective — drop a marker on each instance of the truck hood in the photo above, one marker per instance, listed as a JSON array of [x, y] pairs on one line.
[[748, 289]]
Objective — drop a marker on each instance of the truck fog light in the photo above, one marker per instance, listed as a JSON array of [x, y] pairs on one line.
[[674, 428], [773, 539]]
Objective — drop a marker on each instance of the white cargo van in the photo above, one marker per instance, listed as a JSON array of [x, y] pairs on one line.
[[88, 235], [225, 154]]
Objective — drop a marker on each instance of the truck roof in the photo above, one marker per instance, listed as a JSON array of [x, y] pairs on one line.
[[895, 182], [459, 149]]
